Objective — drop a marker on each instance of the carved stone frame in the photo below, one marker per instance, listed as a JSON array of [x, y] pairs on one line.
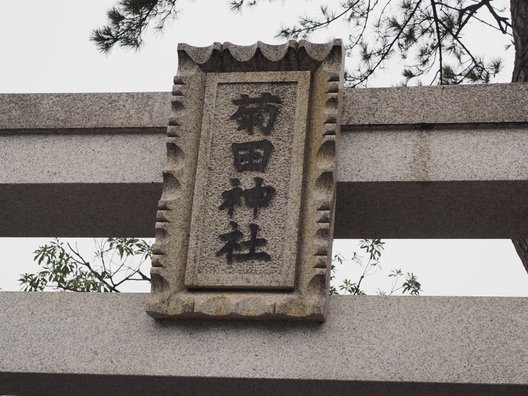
[[308, 301]]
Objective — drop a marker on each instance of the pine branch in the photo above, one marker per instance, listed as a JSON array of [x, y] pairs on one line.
[[439, 38], [128, 21], [389, 47], [310, 25]]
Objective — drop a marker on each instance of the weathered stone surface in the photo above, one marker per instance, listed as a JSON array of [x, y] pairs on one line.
[[448, 104], [281, 173], [81, 164], [437, 153], [104, 344], [78, 112], [473, 170], [249, 186]]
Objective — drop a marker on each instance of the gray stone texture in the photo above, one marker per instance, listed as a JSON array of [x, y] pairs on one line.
[[470, 153], [81, 158], [99, 344], [43, 186], [434, 162], [80, 164], [278, 221], [466, 104], [73, 112], [189, 275], [78, 209], [456, 104]]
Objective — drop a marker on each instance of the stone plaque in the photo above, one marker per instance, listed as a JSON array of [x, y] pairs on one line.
[[249, 181], [244, 225]]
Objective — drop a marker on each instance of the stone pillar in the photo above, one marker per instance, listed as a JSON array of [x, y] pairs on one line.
[[245, 223]]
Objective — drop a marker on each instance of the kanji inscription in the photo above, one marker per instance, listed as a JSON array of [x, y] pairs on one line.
[[251, 156], [245, 222], [245, 230], [258, 112]]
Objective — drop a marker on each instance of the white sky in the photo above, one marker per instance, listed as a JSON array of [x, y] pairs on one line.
[[44, 47]]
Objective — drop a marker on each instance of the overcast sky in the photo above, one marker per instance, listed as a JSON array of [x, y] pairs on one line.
[[44, 47]]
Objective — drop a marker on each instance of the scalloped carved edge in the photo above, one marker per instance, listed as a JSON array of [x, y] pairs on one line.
[[233, 306], [227, 57], [178, 181], [169, 297], [326, 180], [245, 53]]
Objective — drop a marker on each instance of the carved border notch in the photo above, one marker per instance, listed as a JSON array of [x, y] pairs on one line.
[[321, 67]]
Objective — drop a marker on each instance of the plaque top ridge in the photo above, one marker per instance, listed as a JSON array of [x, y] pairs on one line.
[[272, 52], [292, 55]]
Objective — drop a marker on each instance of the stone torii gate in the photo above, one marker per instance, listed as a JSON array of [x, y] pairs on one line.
[[427, 162]]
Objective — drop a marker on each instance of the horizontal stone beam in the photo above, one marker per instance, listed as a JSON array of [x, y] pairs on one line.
[[101, 344], [420, 106], [448, 104], [432, 162], [81, 164]]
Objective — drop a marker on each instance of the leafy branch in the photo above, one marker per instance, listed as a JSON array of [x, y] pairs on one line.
[[373, 248], [64, 268]]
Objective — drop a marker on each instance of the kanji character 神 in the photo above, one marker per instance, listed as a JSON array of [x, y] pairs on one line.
[[231, 197], [254, 198], [258, 196]]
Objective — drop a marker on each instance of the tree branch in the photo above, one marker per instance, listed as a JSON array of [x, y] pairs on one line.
[[297, 32], [439, 38], [389, 47], [94, 272]]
